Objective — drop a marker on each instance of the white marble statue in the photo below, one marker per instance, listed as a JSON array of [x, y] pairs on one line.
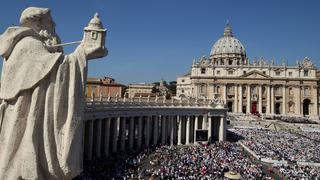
[[42, 92]]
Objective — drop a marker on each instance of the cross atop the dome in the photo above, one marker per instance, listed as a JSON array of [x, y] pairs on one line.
[[227, 29]]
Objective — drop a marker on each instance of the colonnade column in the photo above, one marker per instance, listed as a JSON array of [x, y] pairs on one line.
[[163, 129], [98, 138], [284, 100], [131, 132], [107, 137], [179, 120], [260, 99], [123, 133], [235, 99], [240, 99], [268, 100], [222, 129], [248, 99], [171, 118], [155, 130], [115, 134], [90, 139], [147, 127], [272, 99], [188, 130], [195, 127], [139, 143]]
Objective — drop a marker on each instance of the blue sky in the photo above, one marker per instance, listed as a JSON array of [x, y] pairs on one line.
[[149, 40]]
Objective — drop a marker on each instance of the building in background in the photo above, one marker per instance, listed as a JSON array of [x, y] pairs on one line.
[[105, 87], [141, 90], [258, 87]]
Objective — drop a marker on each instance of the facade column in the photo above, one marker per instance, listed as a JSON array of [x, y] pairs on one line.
[[225, 93], [163, 129], [107, 137], [98, 138], [131, 132], [179, 120], [188, 130], [315, 101], [248, 99], [148, 131], [204, 122], [240, 99], [115, 134], [268, 100], [210, 129], [139, 143], [222, 129], [155, 130], [260, 99], [123, 133], [284, 100], [90, 139], [298, 100], [195, 128], [235, 99], [272, 99]]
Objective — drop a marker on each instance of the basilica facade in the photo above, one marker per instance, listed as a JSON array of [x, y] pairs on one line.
[[257, 87]]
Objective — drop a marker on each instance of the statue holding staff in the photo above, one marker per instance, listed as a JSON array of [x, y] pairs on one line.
[[42, 92]]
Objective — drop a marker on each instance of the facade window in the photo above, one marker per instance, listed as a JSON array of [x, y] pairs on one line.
[[218, 72], [277, 90], [290, 74], [230, 62], [278, 73], [264, 72], [203, 89], [218, 89], [230, 72], [244, 72], [182, 90], [203, 70], [182, 80], [244, 90], [305, 73], [306, 91]]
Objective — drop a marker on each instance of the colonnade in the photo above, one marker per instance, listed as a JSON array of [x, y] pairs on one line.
[[114, 134]]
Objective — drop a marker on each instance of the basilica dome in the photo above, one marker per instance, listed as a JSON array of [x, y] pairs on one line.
[[228, 44]]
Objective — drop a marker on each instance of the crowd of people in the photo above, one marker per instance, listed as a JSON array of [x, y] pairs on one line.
[[209, 162], [295, 119], [177, 162], [284, 146], [311, 135]]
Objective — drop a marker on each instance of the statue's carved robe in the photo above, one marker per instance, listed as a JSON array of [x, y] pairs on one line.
[[41, 135]]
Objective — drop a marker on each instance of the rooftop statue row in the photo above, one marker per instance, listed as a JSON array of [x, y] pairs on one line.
[[304, 63]]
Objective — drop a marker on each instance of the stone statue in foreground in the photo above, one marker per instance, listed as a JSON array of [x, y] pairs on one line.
[[42, 92]]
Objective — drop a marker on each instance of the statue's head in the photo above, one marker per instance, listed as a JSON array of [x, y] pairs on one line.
[[40, 20]]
